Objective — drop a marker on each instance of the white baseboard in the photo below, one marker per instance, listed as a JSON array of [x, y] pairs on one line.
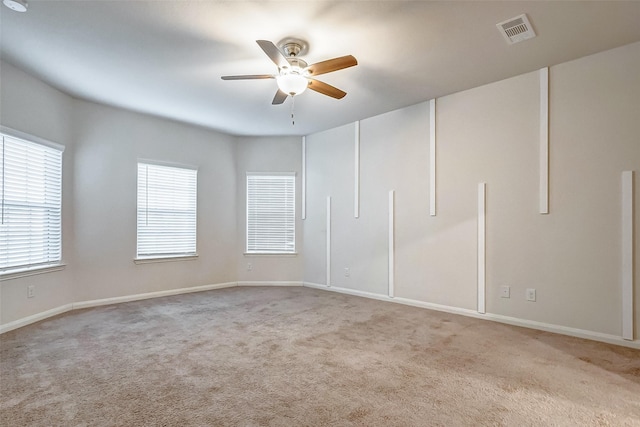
[[148, 295], [128, 298], [563, 330], [531, 324], [269, 283], [107, 301], [35, 318], [399, 300], [348, 291]]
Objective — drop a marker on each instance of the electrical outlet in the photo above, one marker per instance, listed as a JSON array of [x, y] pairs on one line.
[[347, 272], [505, 292], [249, 266], [31, 291], [531, 294]]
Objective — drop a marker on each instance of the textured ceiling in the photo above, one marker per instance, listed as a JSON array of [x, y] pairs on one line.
[[166, 57]]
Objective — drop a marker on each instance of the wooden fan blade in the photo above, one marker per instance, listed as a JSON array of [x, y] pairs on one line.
[[279, 98], [248, 77], [325, 89], [273, 53], [330, 65]]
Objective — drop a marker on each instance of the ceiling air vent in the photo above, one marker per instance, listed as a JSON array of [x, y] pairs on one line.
[[516, 29]]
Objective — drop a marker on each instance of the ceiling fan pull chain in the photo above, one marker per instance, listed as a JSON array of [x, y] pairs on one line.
[[293, 103]]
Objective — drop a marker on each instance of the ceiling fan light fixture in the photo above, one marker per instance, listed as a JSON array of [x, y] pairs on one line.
[[294, 74], [292, 83], [16, 5]]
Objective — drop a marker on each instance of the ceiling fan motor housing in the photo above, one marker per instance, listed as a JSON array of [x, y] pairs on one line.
[[295, 64]]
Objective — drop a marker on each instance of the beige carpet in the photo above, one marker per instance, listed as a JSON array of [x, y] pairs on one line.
[[305, 357]]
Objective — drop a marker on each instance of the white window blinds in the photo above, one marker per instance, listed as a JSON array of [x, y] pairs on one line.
[[166, 211], [30, 204], [271, 216]]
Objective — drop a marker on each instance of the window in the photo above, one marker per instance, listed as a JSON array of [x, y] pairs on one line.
[[30, 203], [271, 213], [166, 211]]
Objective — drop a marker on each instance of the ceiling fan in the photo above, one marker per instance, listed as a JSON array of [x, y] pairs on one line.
[[294, 75]]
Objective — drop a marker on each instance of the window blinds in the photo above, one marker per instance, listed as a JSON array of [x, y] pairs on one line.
[[166, 211], [271, 213], [30, 204]]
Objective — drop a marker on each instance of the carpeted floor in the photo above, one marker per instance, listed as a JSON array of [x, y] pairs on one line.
[[305, 357]]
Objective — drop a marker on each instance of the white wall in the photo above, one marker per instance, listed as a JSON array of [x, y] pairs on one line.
[[28, 105], [488, 134], [267, 154], [108, 144], [103, 145], [595, 134], [329, 169], [572, 256]]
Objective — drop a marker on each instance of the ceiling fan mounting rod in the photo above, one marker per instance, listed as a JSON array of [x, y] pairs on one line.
[[292, 47]]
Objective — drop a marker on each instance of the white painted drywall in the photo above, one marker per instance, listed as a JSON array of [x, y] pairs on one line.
[[28, 105], [103, 145], [330, 172], [490, 134], [267, 154], [594, 136], [108, 144]]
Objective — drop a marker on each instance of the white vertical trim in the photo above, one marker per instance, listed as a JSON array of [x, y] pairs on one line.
[[329, 241], [481, 246], [432, 157], [303, 202], [392, 262], [356, 172], [627, 255], [544, 140]]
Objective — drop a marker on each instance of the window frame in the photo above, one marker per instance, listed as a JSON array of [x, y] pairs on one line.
[[12, 272], [156, 257], [274, 252]]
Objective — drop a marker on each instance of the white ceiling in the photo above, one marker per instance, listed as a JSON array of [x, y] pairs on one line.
[[166, 57]]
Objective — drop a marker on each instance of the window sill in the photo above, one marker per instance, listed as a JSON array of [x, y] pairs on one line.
[[277, 254], [157, 259], [25, 272]]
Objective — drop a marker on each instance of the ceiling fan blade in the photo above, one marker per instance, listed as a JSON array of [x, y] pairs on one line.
[[273, 53], [325, 89], [279, 98], [330, 65], [248, 77]]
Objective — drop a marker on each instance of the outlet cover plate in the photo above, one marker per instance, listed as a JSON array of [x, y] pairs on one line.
[[505, 292], [531, 294]]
